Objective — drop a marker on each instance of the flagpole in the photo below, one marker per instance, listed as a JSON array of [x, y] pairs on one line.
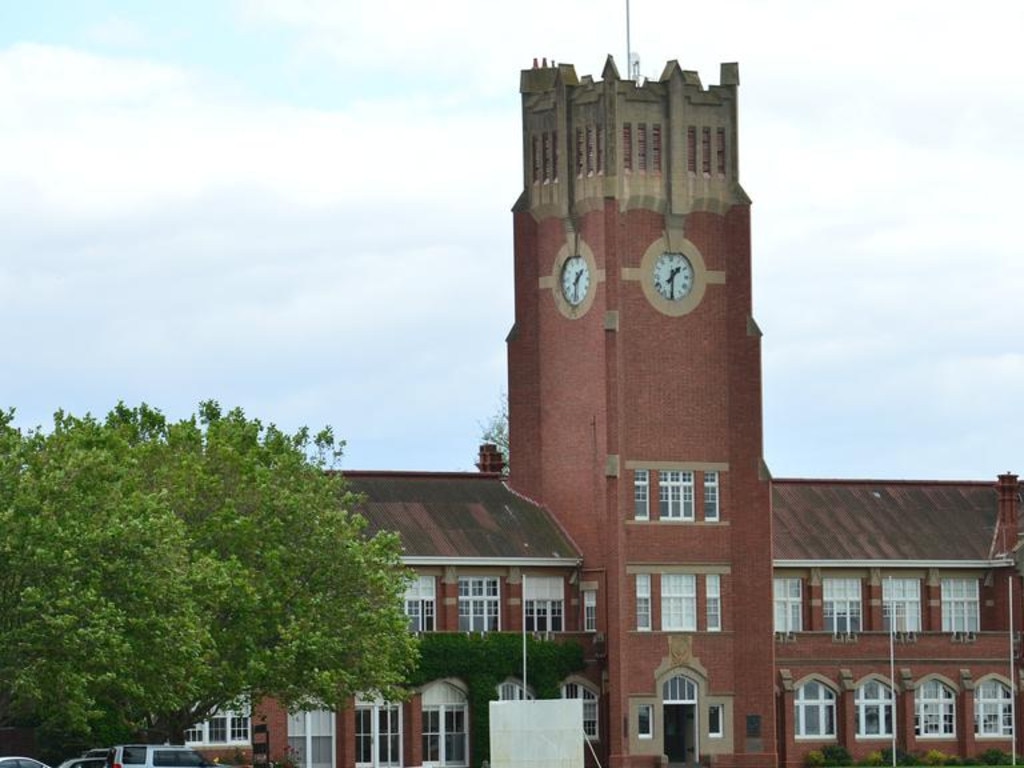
[[1013, 682], [523, 580], [892, 665]]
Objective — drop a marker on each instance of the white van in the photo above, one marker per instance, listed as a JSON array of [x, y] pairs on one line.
[[155, 756]]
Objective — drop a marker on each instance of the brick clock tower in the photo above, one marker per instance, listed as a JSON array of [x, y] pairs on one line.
[[635, 403]]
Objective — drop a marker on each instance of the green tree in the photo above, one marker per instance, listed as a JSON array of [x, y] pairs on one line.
[[161, 570]]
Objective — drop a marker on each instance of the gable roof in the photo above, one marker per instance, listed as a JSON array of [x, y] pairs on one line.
[[893, 520], [460, 516]]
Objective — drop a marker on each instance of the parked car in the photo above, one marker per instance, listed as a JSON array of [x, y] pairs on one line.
[[152, 756], [21, 762], [85, 762]]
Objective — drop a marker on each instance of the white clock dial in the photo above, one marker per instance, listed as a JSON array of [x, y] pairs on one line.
[[673, 276], [575, 280]]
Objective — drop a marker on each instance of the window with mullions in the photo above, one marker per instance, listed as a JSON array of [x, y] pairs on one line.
[[311, 739], [789, 604], [901, 598], [960, 605], [873, 704], [713, 602], [419, 604], [645, 721], [993, 709], [512, 690], [643, 602], [934, 710], [544, 596], [577, 691], [815, 710], [478, 604], [226, 727], [378, 734], [679, 601], [641, 494], [841, 604], [711, 497], [589, 610], [445, 713], [675, 495]]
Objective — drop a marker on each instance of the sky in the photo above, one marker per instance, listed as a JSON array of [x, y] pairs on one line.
[[302, 208]]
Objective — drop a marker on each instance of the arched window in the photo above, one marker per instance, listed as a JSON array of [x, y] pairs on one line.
[[993, 709], [512, 690], [445, 725], [679, 690], [577, 691], [378, 734], [873, 703], [934, 710], [815, 706]]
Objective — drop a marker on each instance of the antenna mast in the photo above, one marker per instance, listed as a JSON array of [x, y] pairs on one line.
[[629, 51]]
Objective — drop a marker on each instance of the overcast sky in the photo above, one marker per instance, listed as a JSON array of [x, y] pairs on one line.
[[302, 207]]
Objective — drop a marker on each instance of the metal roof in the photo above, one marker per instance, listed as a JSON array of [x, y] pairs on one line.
[[871, 520], [455, 516]]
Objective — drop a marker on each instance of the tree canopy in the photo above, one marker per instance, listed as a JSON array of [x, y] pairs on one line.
[[155, 571]]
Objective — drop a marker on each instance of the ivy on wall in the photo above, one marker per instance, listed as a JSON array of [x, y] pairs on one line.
[[485, 661]]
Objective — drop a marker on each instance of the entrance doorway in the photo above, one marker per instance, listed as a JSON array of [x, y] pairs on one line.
[[679, 715]]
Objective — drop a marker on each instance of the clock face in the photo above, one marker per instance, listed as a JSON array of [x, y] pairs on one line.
[[673, 276], [575, 280]]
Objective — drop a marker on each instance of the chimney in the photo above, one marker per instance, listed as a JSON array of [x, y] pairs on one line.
[[491, 460], [1008, 490]]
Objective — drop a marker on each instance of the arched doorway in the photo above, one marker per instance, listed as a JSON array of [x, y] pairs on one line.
[[679, 712]]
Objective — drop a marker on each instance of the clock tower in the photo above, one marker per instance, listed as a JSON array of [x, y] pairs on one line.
[[635, 402]]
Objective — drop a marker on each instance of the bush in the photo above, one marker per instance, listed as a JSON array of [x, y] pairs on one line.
[[994, 757], [874, 759], [814, 759], [935, 757], [836, 754]]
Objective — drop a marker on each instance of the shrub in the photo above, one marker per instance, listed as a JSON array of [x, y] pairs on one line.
[[994, 757], [814, 759], [935, 757], [836, 754], [875, 758]]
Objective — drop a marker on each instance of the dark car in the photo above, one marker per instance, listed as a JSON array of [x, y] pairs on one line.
[[85, 762]]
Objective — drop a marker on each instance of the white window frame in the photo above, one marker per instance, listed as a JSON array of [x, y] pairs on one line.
[[449, 705], [312, 732], [643, 602], [814, 705], [237, 729], [544, 603], [901, 598], [841, 605], [479, 604], [420, 604], [641, 494], [874, 698], [713, 602], [679, 602], [590, 610], [675, 495], [712, 507], [716, 721], [789, 604], [513, 690], [960, 605], [645, 721], [993, 710], [934, 710], [590, 718]]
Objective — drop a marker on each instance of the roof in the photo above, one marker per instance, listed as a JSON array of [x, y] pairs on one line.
[[862, 520], [460, 516]]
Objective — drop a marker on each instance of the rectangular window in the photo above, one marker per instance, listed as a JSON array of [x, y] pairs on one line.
[[679, 602], [643, 602], [901, 598], [627, 147], [311, 738], [535, 154], [716, 721], [720, 152], [713, 590], [645, 721], [554, 156], [478, 604], [841, 603], [641, 147], [590, 150], [705, 151], [711, 497], [226, 727], [600, 149], [218, 730], [656, 148], [788, 595], [675, 495], [544, 597], [546, 150], [579, 152], [960, 607], [691, 149], [589, 610], [641, 494], [419, 604]]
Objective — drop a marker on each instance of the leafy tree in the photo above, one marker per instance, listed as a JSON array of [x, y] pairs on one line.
[[162, 570]]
